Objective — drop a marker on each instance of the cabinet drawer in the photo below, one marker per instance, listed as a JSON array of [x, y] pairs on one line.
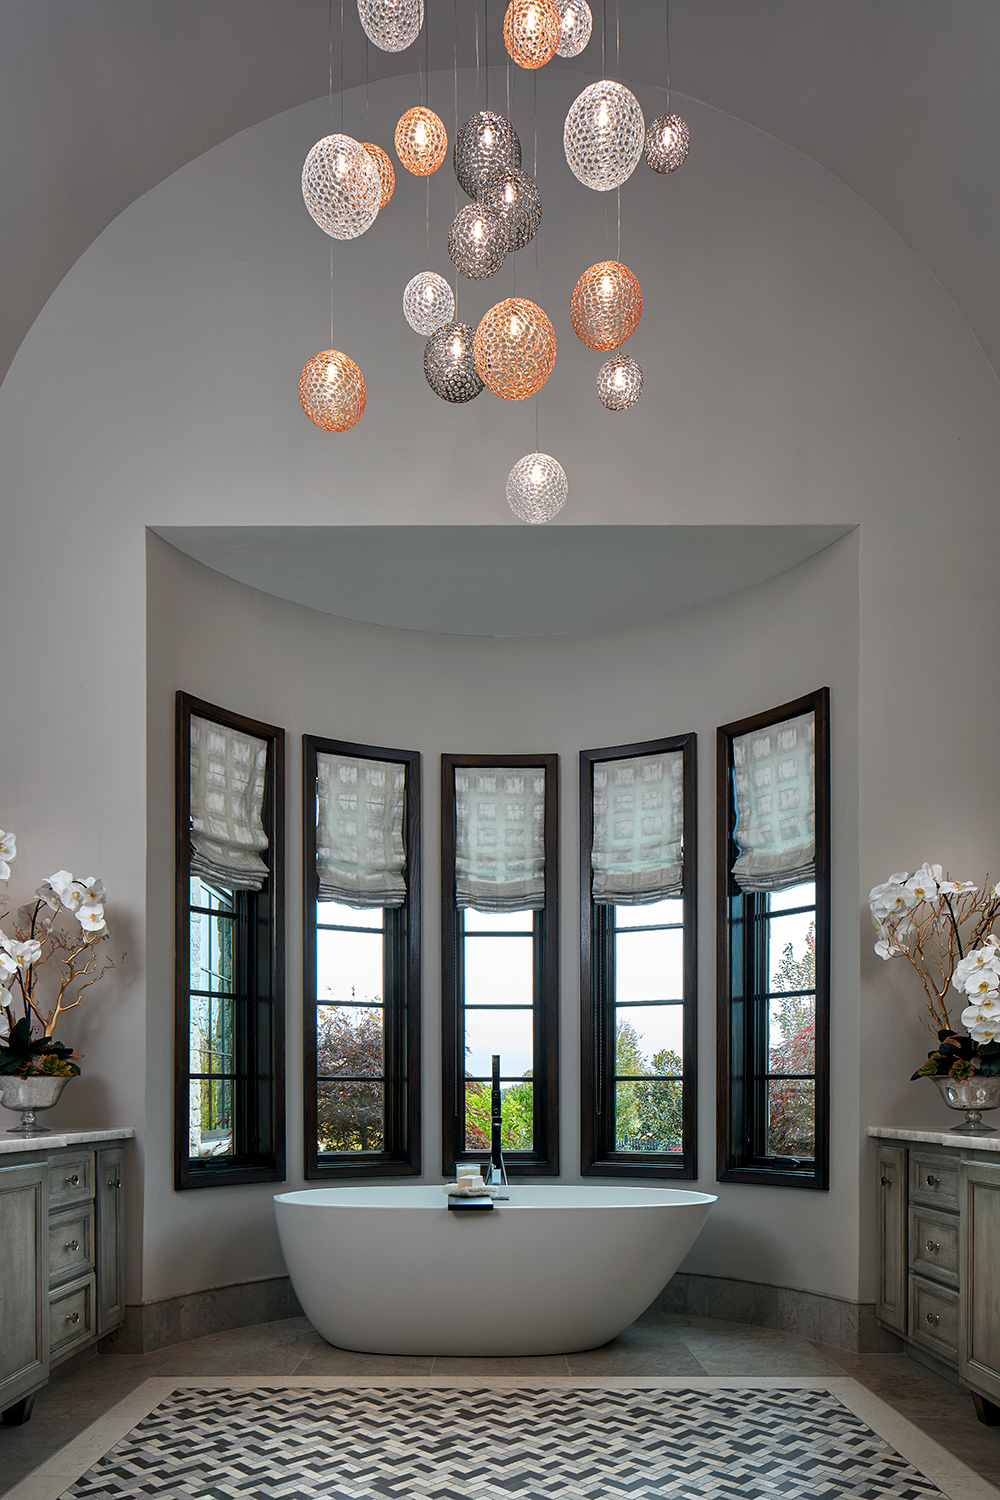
[[71, 1317], [71, 1242], [934, 1244], [934, 1318], [71, 1178], [933, 1180]]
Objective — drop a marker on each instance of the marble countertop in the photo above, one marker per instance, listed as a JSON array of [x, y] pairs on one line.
[[10, 1144], [937, 1138]]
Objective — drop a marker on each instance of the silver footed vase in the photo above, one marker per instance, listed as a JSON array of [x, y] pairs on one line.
[[973, 1095], [29, 1095]]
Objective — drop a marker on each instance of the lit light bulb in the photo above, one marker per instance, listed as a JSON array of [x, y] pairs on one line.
[[606, 286], [536, 473], [477, 230], [619, 378], [515, 327], [420, 134], [531, 16], [667, 139], [456, 347], [602, 113], [487, 137]]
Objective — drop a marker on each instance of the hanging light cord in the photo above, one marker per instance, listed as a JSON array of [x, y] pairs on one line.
[[455, 19], [341, 66], [668, 55]]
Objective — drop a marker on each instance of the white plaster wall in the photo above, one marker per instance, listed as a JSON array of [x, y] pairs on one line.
[[315, 674], [801, 365]]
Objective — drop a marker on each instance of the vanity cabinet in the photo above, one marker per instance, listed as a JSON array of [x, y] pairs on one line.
[[62, 1257], [938, 1241]]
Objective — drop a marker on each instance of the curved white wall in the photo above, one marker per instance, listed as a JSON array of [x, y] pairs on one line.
[[801, 365]]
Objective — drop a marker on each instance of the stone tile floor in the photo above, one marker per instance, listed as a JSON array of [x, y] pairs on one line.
[[657, 1344]]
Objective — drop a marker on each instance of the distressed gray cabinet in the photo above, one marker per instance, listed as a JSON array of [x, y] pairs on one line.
[[938, 1245], [62, 1254]]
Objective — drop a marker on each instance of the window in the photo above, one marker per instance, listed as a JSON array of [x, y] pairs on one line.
[[362, 959], [500, 974], [638, 959], [774, 945], [229, 1120]]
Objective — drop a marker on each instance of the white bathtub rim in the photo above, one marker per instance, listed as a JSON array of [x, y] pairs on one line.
[[386, 1196]]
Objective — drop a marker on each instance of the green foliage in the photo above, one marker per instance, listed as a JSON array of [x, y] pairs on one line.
[[649, 1111], [25, 1056], [516, 1116], [350, 1115], [791, 1126], [953, 1058]]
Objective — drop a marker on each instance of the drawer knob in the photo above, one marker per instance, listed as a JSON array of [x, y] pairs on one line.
[[73, 1317], [931, 1247], [933, 1317], [887, 1182], [73, 1181], [73, 1245], [113, 1182], [933, 1181]]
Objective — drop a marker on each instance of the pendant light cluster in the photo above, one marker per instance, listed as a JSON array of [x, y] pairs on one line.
[[512, 351]]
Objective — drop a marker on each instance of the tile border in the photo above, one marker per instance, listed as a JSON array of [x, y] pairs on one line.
[[811, 1315], [953, 1478]]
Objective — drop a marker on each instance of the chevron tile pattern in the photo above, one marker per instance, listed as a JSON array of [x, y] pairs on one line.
[[515, 1444]]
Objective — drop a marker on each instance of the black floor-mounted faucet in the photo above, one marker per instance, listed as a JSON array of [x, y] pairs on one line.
[[497, 1172]]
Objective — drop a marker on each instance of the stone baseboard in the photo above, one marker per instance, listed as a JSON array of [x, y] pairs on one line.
[[811, 1315], [154, 1325]]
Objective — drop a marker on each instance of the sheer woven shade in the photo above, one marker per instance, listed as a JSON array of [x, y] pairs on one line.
[[500, 837], [637, 854], [359, 830], [228, 770], [774, 778]]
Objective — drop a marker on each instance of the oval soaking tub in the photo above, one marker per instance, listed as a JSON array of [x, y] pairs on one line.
[[390, 1270]]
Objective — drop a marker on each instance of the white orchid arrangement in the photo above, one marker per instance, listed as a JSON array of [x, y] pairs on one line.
[[42, 932], [943, 928]]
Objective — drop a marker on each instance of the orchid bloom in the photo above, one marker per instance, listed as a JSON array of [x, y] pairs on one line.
[[923, 883], [956, 887], [23, 954], [91, 917], [8, 848]]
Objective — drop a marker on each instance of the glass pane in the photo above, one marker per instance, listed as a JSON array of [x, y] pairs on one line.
[[349, 966], [211, 1035], [791, 1119], [516, 1105], [349, 1040], [498, 921], [795, 895], [212, 952], [650, 1038], [508, 1032], [649, 1116], [337, 913], [209, 895], [350, 1116], [649, 966], [671, 910], [792, 952], [499, 971], [792, 1035], [210, 1121]]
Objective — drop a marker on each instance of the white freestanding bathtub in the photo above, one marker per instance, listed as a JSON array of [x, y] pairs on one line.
[[391, 1270]]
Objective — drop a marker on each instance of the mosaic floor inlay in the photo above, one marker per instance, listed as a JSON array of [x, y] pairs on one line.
[[411, 1443]]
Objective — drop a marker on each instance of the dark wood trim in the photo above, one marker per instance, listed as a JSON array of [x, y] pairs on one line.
[[732, 1165], [598, 1158], [402, 1156], [544, 1159], [267, 1162]]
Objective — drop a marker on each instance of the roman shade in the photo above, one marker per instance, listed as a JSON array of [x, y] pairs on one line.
[[228, 772], [774, 781], [500, 837], [637, 854], [360, 854]]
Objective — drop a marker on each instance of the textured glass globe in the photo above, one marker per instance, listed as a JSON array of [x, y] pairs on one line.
[[477, 242], [619, 382], [667, 142], [421, 141], [513, 197], [576, 24], [428, 302], [341, 187], [531, 31], [383, 167], [391, 24], [332, 391], [515, 348], [485, 142], [537, 488], [603, 135], [449, 363], [606, 305]]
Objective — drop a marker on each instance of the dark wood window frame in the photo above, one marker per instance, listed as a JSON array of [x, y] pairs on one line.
[[543, 1160], [740, 1107], [598, 1156], [401, 966], [259, 1126]]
